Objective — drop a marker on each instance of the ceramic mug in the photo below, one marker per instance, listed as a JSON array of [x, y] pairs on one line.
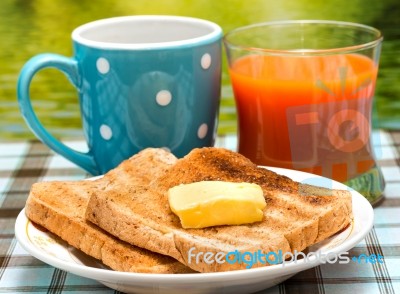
[[143, 81]]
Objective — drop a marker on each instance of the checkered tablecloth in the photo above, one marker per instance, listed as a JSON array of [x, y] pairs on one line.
[[22, 164]]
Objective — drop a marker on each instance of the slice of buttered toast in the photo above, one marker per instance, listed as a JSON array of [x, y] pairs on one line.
[[60, 208], [296, 215]]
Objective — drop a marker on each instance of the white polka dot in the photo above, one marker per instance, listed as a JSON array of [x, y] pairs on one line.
[[202, 131], [105, 132], [163, 97], [206, 61], [102, 65]]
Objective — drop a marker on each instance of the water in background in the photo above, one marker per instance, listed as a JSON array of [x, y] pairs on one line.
[[30, 27]]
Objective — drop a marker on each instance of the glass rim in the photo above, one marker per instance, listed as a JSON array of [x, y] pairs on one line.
[[377, 38]]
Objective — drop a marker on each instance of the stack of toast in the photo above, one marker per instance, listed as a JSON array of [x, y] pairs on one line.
[[124, 218]]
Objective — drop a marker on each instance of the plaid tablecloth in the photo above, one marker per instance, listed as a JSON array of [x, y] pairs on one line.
[[22, 164]]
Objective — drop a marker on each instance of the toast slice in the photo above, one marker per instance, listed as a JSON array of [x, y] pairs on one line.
[[296, 215], [60, 208]]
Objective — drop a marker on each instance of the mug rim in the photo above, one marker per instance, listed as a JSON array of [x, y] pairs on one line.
[[214, 35], [378, 38]]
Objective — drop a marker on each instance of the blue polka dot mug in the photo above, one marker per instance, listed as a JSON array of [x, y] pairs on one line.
[[143, 81]]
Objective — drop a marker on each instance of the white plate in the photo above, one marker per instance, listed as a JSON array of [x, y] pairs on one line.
[[52, 250]]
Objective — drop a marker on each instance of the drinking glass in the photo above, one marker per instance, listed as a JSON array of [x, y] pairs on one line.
[[304, 94]]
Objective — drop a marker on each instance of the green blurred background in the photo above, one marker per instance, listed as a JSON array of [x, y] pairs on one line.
[[30, 27]]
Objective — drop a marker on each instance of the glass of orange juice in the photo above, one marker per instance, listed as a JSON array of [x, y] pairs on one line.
[[304, 95]]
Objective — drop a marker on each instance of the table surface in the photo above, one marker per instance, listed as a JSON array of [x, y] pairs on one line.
[[24, 163]]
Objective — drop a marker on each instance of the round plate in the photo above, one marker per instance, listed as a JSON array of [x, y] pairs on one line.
[[52, 250]]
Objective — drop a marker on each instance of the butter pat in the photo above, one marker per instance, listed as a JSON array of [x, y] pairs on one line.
[[213, 203]]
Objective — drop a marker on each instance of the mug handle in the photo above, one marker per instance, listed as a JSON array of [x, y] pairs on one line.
[[69, 66]]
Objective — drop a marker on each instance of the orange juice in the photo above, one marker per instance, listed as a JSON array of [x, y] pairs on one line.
[[310, 113]]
